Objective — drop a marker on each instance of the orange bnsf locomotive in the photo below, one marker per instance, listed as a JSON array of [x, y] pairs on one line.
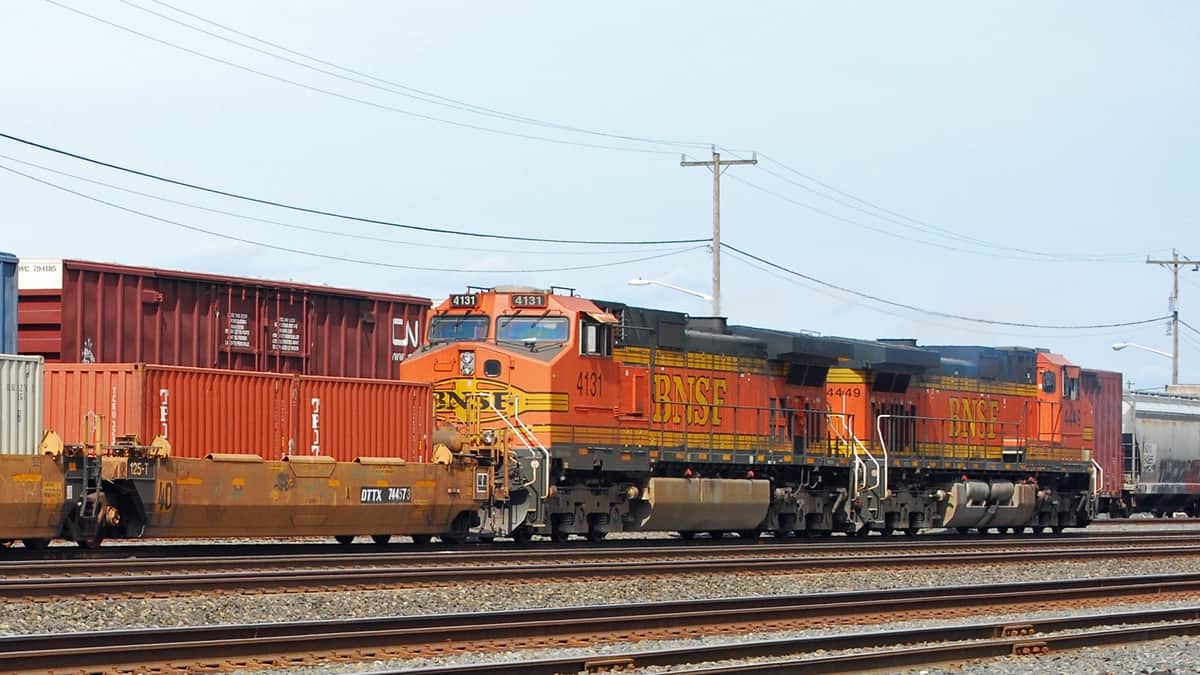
[[600, 417]]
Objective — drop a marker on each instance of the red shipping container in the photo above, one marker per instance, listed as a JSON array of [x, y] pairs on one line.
[[200, 411], [345, 418], [1102, 389], [207, 411], [84, 312]]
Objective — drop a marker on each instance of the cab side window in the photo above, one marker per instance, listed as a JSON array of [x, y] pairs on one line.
[[595, 338], [1049, 381]]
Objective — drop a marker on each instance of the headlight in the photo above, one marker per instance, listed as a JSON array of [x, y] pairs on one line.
[[489, 436], [466, 363]]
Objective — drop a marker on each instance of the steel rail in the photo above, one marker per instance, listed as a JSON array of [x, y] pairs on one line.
[[367, 558], [337, 578], [993, 639], [147, 549], [208, 643]]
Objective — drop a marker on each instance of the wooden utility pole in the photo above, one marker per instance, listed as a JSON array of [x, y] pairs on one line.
[[717, 167], [1175, 262]]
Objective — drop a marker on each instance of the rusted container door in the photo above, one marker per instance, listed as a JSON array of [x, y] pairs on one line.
[[1102, 390], [346, 419], [80, 312], [208, 411]]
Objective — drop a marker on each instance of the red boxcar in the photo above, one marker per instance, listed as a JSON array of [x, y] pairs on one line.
[[84, 312], [206, 411], [1102, 389]]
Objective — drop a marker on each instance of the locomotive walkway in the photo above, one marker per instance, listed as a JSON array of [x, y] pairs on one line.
[[168, 577], [295, 643]]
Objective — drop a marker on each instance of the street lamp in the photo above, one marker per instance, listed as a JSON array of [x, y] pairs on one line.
[[652, 282], [1174, 357]]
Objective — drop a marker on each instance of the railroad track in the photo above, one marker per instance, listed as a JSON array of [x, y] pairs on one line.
[[141, 559], [1147, 521], [293, 643], [157, 577], [889, 649]]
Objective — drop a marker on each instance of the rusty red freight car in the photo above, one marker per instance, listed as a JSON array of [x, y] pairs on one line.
[[206, 411], [74, 311]]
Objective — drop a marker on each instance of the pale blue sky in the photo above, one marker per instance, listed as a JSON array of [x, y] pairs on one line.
[[1065, 128]]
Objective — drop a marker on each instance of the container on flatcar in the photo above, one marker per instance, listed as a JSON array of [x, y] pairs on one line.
[[200, 411], [348, 418], [21, 380], [203, 411], [8, 303], [1102, 389], [73, 311]]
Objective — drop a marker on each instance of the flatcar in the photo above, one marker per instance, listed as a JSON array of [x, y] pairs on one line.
[[605, 417]]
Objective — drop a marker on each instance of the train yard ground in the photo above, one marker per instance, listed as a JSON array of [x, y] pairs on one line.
[[248, 571], [423, 637], [840, 604]]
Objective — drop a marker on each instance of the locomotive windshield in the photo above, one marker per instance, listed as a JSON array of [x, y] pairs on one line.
[[457, 328], [532, 329]]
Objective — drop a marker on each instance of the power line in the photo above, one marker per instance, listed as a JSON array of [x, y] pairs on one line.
[[293, 226], [931, 312], [354, 99], [325, 256], [333, 214], [879, 230], [916, 223], [391, 85], [1190, 326]]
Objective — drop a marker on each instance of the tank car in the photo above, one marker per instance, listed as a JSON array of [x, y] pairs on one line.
[[604, 417]]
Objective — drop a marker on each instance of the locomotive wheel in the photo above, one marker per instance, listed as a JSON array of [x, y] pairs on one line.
[[911, 531], [36, 544], [421, 539], [749, 534], [523, 534], [90, 542], [344, 539], [381, 539], [963, 530], [596, 535], [687, 535], [716, 534], [559, 536], [887, 531]]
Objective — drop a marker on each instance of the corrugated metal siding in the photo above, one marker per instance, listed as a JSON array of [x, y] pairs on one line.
[[8, 303], [21, 381], [345, 419], [1102, 389], [205, 411], [81, 312]]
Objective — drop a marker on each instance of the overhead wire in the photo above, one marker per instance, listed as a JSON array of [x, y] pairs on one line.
[[294, 226], [343, 216], [348, 97], [326, 256], [931, 312], [383, 84], [922, 225], [872, 228]]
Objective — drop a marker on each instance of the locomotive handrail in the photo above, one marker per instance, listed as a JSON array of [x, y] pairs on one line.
[[524, 433], [858, 449], [883, 447]]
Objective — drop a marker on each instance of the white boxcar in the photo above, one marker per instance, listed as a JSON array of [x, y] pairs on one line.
[[21, 380]]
